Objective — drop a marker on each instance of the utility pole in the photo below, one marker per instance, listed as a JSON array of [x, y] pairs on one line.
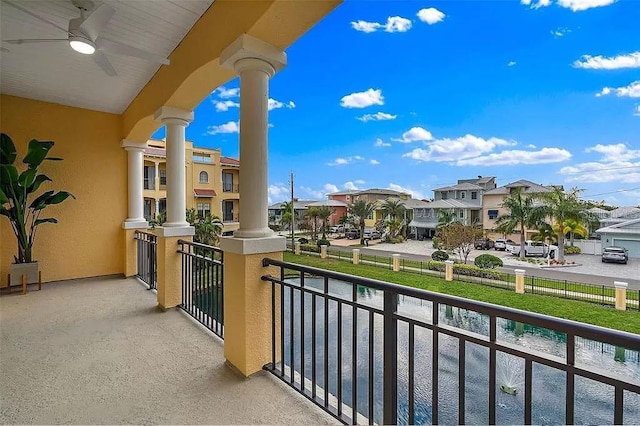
[[293, 216]]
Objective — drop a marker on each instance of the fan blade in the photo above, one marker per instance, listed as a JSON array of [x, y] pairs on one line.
[[126, 50], [35, 40], [95, 22], [103, 62], [14, 5]]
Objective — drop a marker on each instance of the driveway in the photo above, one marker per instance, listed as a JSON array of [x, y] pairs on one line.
[[590, 270]]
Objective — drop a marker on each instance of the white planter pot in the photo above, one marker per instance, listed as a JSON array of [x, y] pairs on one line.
[[17, 270]]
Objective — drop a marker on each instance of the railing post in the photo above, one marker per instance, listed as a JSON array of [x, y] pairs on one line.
[[390, 359], [621, 295], [448, 270], [323, 251], [520, 280], [396, 262], [356, 256], [296, 246]]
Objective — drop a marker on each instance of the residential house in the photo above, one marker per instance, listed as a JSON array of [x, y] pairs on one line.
[[492, 206], [622, 234], [464, 200], [373, 195], [299, 207], [211, 182]]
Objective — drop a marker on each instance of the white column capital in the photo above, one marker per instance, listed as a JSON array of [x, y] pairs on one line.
[[261, 53], [519, 271], [173, 115], [449, 262], [133, 146], [620, 284]]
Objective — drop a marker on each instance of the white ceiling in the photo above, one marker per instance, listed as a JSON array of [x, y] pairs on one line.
[[53, 72]]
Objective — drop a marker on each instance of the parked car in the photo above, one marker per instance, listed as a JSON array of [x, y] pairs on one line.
[[615, 254], [534, 248], [501, 244], [372, 234], [337, 229], [483, 244], [352, 234]]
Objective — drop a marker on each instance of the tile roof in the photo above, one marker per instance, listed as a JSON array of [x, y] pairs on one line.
[[461, 187], [229, 161], [204, 192], [156, 152], [297, 204], [529, 186], [451, 204], [329, 203]]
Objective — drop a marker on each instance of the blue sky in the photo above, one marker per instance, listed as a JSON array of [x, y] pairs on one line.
[[415, 95]]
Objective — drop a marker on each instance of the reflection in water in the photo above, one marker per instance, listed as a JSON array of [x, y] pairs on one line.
[[346, 350]]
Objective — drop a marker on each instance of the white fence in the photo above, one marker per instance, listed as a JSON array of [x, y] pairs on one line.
[[589, 246]]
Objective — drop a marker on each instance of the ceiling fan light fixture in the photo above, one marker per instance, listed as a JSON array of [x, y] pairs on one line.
[[82, 45]]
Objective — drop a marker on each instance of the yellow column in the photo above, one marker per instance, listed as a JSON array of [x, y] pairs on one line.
[[323, 251], [356, 256], [520, 280], [296, 246], [621, 295], [448, 270], [169, 265], [396, 262]]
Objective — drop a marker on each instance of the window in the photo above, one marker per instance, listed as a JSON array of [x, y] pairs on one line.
[[474, 195], [149, 177], [227, 182], [370, 216], [202, 158], [204, 177], [348, 198], [444, 195], [463, 195], [493, 214], [163, 177], [204, 209]]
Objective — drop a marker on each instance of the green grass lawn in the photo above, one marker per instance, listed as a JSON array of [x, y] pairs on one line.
[[563, 308]]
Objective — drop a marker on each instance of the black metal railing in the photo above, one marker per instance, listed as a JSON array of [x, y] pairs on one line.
[[202, 284], [147, 264], [229, 187], [347, 344]]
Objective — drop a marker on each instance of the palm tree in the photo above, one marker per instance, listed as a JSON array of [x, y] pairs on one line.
[[208, 230], [393, 210], [522, 212], [312, 217], [362, 210], [324, 212], [545, 233], [571, 227], [287, 207], [561, 206], [446, 217]]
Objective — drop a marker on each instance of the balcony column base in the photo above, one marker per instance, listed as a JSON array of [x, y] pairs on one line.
[[169, 264], [130, 246], [247, 301]]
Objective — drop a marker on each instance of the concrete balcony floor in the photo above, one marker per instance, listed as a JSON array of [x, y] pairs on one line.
[[97, 351]]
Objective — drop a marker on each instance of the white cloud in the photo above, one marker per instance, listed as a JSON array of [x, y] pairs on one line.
[[560, 32], [363, 99], [225, 105], [341, 161], [374, 162], [273, 104], [381, 144], [531, 146], [631, 91], [230, 127], [350, 186], [225, 93], [415, 134], [511, 63], [632, 60], [456, 150], [394, 24], [618, 163], [579, 5], [321, 193], [636, 112], [279, 192], [536, 4], [431, 15], [414, 193], [378, 116], [359, 182], [517, 156]]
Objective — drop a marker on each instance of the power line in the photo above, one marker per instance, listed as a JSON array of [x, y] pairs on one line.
[[612, 192]]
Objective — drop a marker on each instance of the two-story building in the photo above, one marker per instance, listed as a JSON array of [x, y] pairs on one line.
[[373, 195], [211, 182], [492, 206], [463, 200], [299, 207]]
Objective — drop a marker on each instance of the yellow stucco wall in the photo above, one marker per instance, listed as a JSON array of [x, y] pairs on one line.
[[88, 240]]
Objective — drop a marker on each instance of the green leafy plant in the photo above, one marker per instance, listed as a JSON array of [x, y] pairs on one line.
[[440, 255], [572, 250], [323, 243], [487, 261], [18, 198]]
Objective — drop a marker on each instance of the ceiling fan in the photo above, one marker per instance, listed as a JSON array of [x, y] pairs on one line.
[[83, 35]]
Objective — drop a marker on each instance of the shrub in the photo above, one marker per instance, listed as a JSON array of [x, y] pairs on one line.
[[440, 255], [437, 243], [275, 228], [469, 270], [310, 247], [303, 240], [398, 239], [487, 261], [323, 243], [572, 250]]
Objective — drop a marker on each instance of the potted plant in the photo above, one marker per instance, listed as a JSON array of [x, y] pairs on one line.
[[20, 204]]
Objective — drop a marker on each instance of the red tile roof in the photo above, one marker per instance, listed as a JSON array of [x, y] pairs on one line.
[[158, 152], [230, 161], [204, 192]]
